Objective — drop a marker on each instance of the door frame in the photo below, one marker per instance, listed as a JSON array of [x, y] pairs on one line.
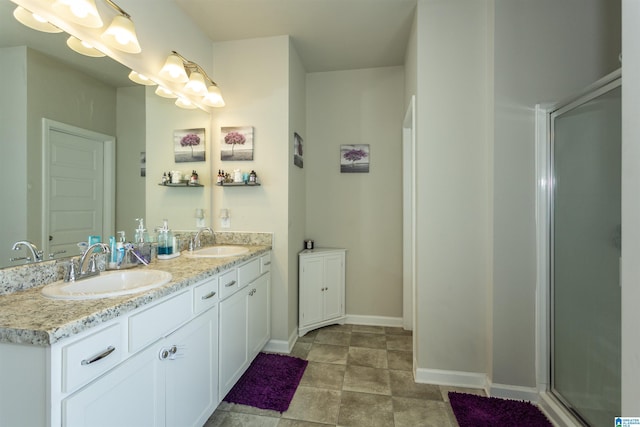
[[544, 204], [409, 217], [109, 188]]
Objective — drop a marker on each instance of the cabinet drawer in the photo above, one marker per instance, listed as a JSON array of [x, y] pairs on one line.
[[228, 283], [155, 322], [90, 357], [265, 263], [248, 272], [205, 295]]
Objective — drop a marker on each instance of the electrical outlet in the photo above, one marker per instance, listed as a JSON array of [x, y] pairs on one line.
[[225, 222]]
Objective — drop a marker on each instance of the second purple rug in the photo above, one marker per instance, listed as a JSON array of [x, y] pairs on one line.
[[269, 383], [478, 411]]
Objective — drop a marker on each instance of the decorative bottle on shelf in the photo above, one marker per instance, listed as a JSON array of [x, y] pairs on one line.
[[164, 178], [253, 177]]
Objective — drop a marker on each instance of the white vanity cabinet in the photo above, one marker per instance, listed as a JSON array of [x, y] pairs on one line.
[[321, 288], [245, 321], [170, 383]]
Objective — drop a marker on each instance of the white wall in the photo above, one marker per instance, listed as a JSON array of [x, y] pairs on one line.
[[361, 212], [630, 207], [297, 178], [538, 58], [254, 77], [453, 150]]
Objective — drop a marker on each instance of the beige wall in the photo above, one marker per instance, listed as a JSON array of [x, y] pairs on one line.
[[361, 212], [254, 77]]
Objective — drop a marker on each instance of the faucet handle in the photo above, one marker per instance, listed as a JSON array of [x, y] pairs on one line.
[[71, 272]]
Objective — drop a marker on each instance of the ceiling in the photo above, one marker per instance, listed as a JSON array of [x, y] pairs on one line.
[[328, 35]]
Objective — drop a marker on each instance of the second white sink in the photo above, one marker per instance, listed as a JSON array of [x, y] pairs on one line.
[[108, 284], [217, 252]]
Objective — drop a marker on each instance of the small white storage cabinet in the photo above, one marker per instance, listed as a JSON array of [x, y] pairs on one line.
[[321, 288]]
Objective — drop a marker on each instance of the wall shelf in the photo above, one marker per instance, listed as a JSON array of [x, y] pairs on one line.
[[181, 184], [238, 184]]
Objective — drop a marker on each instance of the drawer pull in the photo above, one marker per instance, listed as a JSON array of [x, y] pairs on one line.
[[100, 356], [267, 263], [209, 295], [231, 283]]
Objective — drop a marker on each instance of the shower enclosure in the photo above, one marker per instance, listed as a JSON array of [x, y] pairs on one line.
[[584, 253]]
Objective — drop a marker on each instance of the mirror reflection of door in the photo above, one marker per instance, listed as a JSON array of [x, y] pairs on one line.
[[77, 188]]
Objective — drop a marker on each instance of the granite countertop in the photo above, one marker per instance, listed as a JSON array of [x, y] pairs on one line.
[[27, 317]]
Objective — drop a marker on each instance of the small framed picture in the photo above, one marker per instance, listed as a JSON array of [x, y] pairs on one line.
[[354, 158], [237, 143], [297, 150], [189, 145]]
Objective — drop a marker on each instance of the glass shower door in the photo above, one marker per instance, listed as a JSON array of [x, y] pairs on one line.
[[585, 255]]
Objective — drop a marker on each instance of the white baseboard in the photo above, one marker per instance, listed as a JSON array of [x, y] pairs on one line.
[[506, 391], [353, 319], [281, 346], [452, 378]]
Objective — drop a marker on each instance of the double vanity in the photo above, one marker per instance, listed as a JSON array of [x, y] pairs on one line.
[[164, 356]]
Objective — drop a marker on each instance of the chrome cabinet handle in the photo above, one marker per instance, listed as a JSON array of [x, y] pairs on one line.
[[267, 263], [209, 295], [100, 356], [231, 283]]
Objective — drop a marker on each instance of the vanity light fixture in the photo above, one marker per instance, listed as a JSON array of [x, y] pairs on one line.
[[83, 47], [141, 79], [179, 69], [185, 103], [83, 12], [121, 34], [34, 21], [164, 92]]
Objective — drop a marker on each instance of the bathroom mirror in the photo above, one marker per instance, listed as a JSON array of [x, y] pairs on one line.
[[51, 50]]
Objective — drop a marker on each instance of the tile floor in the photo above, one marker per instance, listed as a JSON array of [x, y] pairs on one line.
[[356, 376]]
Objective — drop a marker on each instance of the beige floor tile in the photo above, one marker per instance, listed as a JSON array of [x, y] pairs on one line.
[[399, 342], [409, 412], [367, 380], [323, 375], [315, 405], [338, 328], [326, 353], [446, 389], [359, 339], [365, 410], [236, 419], [400, 360], [396, 331], [308, 337], [372, 357], [301, 350], [403, 385], [295, 423], [333, 337], [368, 329]]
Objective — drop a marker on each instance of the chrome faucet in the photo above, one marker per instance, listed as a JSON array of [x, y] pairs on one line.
[[36, 255], [79, 271], [196, 239]]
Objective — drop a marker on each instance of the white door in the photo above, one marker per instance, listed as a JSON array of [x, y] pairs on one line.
[[233, 340], [311, 290], [259, 317], [78, 187], [333, 286]]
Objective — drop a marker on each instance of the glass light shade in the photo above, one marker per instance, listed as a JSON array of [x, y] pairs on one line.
[[173, 69], [213, 98], [196, 84], [185, 103], [164, 92], [83, 48], [34, 21], [121, 35], [83, 12], [141, 79]]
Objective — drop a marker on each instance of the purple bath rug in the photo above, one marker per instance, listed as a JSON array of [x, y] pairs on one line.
[[269, 382], [478, 411]]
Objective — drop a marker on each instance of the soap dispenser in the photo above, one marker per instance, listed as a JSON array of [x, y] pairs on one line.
[[165, 241], [142, 241]]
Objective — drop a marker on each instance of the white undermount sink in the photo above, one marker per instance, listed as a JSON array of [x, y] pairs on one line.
[[217, 252], [108, 284]]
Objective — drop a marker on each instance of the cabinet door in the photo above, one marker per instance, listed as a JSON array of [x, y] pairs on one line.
[[131, 395], [311, 290], [191, 371], [259, 314], [233, 340], [334, 286]]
